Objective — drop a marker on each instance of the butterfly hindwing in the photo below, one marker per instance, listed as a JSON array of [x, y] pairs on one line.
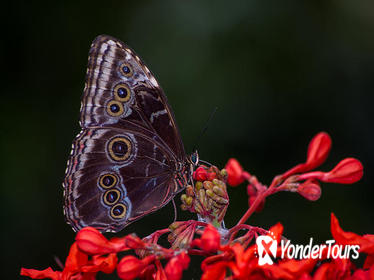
[[115, 177]]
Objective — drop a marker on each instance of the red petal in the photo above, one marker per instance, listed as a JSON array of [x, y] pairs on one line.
[[130, 267], [216, 271], [365, 242], [160, 272], [291, 269], [322, 272], [360, 274], [41, 274], [277, 231], [369, 262], [75, 260], [105, 264], [235, 172], [91, 241], [176, 265], [210, 239]]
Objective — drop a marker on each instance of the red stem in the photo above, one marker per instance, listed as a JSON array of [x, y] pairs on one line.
[[258, 200]]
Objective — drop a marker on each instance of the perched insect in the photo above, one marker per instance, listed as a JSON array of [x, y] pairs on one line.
[[129, 159]]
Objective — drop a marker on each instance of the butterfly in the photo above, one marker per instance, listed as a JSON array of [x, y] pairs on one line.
[[129, 159]]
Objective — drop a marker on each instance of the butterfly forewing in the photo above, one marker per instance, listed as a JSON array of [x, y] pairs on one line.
[[129, 159]]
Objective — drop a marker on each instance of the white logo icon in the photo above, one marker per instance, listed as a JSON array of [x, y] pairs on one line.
[[266, 248]]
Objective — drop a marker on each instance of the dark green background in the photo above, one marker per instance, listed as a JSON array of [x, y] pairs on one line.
[[278, 71]]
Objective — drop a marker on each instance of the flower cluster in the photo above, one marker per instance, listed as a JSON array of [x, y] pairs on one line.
[[228, 253]]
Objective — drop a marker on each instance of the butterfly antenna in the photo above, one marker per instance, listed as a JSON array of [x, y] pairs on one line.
[[59, 262], [205, 162], [204, 129]]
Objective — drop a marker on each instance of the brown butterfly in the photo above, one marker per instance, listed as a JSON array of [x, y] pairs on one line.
[[129, 159]]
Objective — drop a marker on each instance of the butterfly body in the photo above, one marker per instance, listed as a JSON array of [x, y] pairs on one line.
[[128, 160]]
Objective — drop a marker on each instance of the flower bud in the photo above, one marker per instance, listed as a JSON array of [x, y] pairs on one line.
[[318, 150], [348, 171], [200, 174], [310, 190]]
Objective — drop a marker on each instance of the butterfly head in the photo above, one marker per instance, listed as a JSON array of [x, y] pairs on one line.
[[194, 159]]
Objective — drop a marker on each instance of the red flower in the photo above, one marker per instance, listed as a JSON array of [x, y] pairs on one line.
[[41, 274], [209, 241], [92, 242], [176, 265], [348, 171], [318, 150], [291, 269], [131, 267], [160, 272], [236, 174], [106, 264], [215, 271], [335, 269], [77, 266], [366, 242]]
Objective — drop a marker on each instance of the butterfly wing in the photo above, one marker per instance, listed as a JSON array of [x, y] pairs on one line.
[[129, 159], [113, 68]]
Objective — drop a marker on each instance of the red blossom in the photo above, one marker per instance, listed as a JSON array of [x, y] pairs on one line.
[[41, 274], [78, 266], [347, 171], [92, 242], [291, 269], [106, 264], [245, 261], [366, 242], [131, 267], [236, 173], [215, 271], [176, 265], [160, 272], [209, 241], [226, 256], [334, 269]]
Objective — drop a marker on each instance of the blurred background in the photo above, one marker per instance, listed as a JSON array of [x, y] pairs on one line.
[[278, 71]]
